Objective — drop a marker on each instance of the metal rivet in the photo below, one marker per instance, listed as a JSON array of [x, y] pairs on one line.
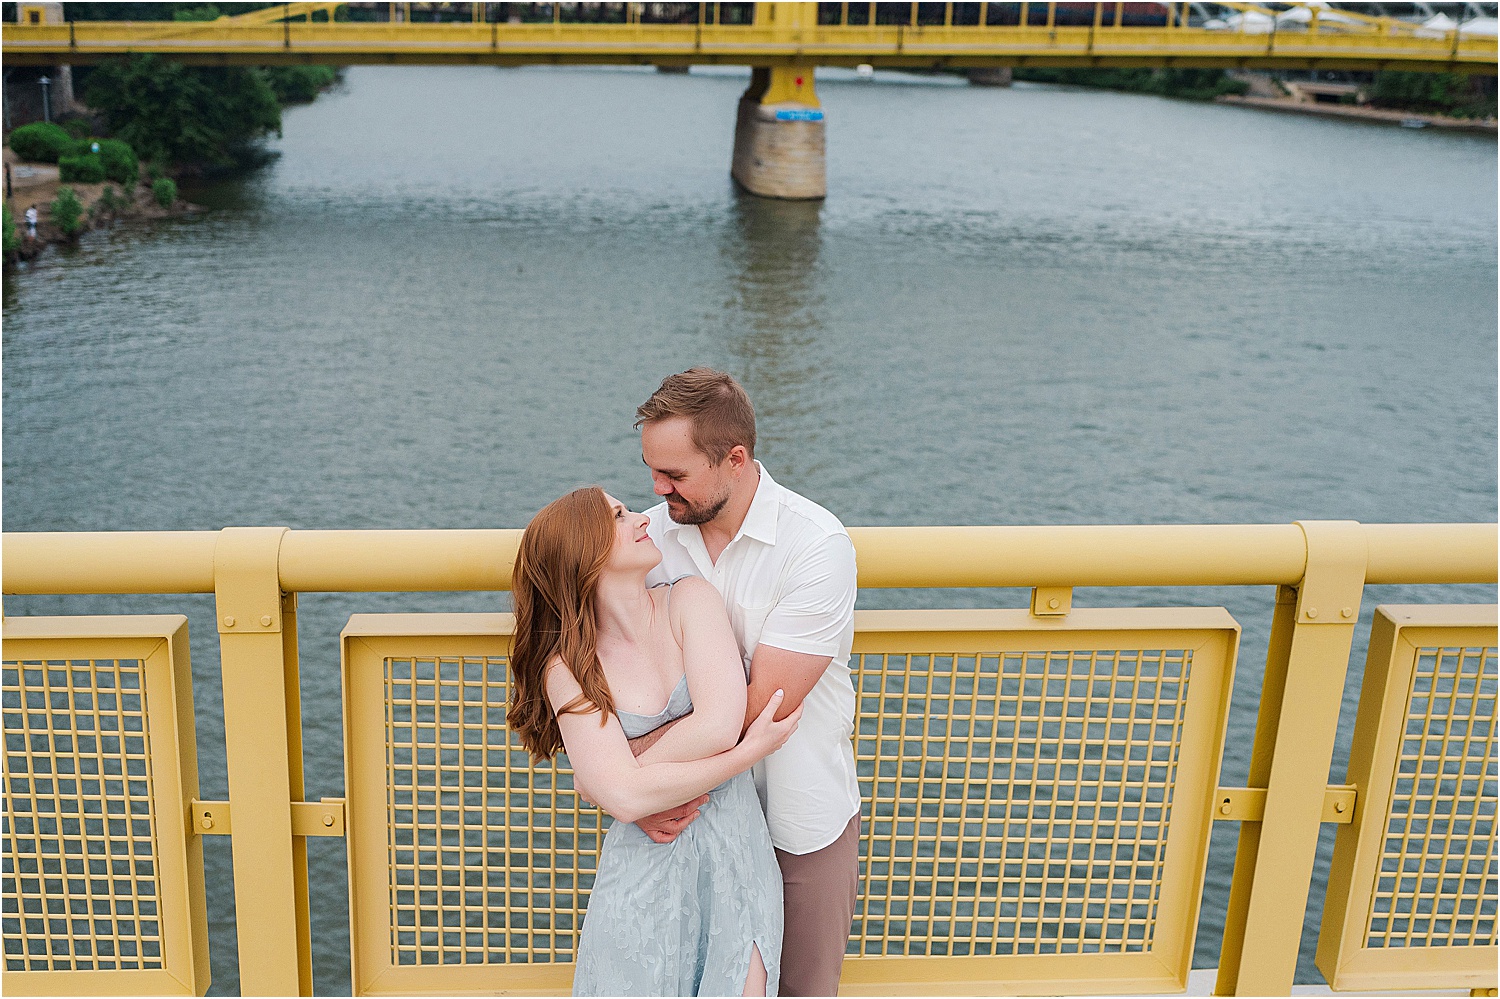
[[327, 819], [229, 620], [1054, 603], [208, 821], [1312, 612], [1225, 809], [1338, 806], [265, 620], [1347, 612]]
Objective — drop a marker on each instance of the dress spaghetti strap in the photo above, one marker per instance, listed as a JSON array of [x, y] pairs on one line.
[[667, 607]]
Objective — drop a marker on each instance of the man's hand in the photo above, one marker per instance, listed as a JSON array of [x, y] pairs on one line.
[[667, 825]]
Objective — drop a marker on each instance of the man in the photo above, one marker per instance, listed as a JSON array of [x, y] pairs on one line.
[[785, 568]]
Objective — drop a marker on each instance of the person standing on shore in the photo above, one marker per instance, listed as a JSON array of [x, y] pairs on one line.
[[31, 222], [785, 568]]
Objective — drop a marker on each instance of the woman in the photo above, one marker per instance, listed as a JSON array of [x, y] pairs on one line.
[[599, 659]]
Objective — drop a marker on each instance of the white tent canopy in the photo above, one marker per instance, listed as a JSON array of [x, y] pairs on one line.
[[1301, 17], [1252, 22], [1440, 24]]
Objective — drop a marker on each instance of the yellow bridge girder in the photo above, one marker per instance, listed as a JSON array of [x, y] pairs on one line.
[[782, 34]]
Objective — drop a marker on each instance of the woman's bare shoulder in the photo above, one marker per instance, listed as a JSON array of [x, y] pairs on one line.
[[694, 590], [559, 679], [565, 692], [695, 604]]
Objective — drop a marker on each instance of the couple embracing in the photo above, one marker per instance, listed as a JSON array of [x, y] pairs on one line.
[[693, 663]]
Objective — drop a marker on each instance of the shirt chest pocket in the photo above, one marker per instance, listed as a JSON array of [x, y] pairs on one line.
[[748, 622]]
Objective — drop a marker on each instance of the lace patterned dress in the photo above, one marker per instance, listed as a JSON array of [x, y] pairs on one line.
[[679, 918]]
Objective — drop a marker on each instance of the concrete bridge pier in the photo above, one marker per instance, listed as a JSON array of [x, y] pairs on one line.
[[778, 135]]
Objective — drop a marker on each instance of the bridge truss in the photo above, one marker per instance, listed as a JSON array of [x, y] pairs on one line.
[[1307, 35]]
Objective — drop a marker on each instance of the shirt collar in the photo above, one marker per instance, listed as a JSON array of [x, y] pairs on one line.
[[760, 519]]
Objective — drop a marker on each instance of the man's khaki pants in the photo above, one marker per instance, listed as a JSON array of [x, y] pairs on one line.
[[818, 890]]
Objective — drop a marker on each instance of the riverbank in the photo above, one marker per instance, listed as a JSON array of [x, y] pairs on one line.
[[37, 184], [1383, 115]]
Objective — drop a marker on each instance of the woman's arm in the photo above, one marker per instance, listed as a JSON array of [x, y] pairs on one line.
[[715, 676], [628, 789]]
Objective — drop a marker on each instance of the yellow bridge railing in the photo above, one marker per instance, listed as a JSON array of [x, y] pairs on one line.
[[1039, 784], [1045, 34]]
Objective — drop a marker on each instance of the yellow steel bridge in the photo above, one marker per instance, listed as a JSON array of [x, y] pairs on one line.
[[782, 34]]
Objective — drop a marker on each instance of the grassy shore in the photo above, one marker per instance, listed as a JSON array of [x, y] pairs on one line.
[[37, 184]]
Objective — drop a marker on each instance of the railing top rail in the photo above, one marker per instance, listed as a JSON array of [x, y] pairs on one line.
[[1142, 555]]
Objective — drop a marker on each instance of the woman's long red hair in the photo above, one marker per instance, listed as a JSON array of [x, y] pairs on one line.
[[563, 552]]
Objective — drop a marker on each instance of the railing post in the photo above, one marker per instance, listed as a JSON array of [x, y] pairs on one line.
[[1306, 662], [263, 746]]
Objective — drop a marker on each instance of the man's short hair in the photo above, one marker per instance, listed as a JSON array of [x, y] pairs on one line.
[[716, 404]]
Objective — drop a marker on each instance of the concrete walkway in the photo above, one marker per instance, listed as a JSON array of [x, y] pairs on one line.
[[1363, 113], [30, 182]]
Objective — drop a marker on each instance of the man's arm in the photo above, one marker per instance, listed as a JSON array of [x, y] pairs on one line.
[[774, 669], [808, 625]]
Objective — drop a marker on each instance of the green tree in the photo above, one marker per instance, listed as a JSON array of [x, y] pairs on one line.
[[164, 190], [9, 231], [120, 162], [1193, 84], [299, 84], [195, 116], [67, 212], [208, 12], [112, 11], [290, 84], [110, 200], [85, 169], [1436, 93], [41, 142]]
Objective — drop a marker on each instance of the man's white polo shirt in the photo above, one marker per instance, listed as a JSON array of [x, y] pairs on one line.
[[788, 581]]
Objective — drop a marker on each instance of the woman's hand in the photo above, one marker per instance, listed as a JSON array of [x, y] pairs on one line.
[[766, 735]]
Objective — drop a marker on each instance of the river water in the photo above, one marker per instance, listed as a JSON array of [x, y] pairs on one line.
[[1037, 305]]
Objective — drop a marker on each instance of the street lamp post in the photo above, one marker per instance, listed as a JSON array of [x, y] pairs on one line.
[[46, 82]]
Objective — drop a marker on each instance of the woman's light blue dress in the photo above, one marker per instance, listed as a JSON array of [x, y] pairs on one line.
[[679, 918]]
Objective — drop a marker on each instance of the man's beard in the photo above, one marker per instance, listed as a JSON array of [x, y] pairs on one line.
[[697, 514]]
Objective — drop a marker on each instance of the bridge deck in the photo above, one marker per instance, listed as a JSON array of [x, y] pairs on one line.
[[229, 42]]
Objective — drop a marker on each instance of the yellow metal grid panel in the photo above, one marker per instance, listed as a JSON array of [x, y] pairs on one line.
[[1025, 797], [1413, 888], [1034, 792], [1439, 851], [463, 855], [79, 818], [1037, 796], [102, 885], [490, 857]]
